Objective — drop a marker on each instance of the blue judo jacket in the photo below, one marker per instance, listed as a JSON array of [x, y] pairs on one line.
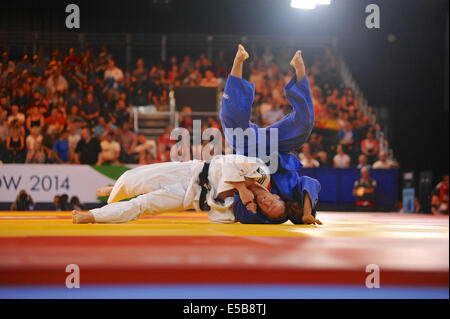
[[293, 131]]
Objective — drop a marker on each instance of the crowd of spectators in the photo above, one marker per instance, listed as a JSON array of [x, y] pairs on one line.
[[344, 136], [76, 108]]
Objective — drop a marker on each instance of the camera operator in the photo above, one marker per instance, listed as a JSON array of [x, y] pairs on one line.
[[23, 202]]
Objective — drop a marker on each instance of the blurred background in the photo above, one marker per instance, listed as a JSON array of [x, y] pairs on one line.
[[107, 95]]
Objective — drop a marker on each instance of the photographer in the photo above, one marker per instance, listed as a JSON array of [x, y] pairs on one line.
[[24, 202]]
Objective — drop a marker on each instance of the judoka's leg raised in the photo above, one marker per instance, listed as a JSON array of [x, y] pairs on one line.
[[239, 59], [295, 128], [238, 95]]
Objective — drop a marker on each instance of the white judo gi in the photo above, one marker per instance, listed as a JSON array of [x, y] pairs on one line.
[[173, 186]]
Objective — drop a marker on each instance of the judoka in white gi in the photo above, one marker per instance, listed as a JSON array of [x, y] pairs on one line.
[[175, 186]]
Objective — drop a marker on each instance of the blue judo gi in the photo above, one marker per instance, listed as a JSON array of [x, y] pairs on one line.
[[293, 131]]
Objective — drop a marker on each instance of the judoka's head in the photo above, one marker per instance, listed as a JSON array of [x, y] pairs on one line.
[[271, 205]]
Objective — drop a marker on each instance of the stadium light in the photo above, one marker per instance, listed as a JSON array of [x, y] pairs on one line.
[[308, 4]]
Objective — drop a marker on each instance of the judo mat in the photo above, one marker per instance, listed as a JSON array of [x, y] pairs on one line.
[[181, 255]]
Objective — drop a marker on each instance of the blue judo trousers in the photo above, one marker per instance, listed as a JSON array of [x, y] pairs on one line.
[[293, 131]]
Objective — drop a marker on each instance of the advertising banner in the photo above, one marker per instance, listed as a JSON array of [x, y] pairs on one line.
[[44, 181]]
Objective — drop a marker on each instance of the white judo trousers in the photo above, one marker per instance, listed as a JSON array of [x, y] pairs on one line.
[[174, 186]]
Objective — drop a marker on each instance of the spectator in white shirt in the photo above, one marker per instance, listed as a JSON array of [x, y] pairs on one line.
[[35, 138], [15, 114], [209, 80], [145, 147], [56, 82], [341, 160], [35, 151], [113, 75], [110, 150], [383, 162], [306, 158]]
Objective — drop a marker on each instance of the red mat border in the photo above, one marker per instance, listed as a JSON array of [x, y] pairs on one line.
[[222, 276]]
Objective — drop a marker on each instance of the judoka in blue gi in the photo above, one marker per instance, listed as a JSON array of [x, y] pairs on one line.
[[299, 193]]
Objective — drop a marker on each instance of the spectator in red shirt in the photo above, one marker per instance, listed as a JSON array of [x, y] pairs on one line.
[[370, 147], [220, 66], [320, 108], [55, 122], [72, 60], [185, 118], [37, 101], [164, 140], [440, 196], [213, 122], [173, 74]]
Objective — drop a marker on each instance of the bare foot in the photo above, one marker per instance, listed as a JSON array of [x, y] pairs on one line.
[[104, 191], [299, 65], [82, 218], [241, 54]]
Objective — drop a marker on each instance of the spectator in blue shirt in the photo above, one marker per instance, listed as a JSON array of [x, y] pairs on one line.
[[61, 147], [100, 128], [346, 135]]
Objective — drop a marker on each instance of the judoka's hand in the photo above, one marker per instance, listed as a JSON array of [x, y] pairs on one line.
[[310, 220], [252, 207], [246, 195]]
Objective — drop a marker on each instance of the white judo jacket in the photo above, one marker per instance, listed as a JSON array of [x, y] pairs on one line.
[[174, 186]]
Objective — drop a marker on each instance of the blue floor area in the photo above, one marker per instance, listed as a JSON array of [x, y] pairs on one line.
[[220, 292]]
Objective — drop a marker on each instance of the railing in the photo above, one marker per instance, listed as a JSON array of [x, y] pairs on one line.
[[172, 113], [127, 47]]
